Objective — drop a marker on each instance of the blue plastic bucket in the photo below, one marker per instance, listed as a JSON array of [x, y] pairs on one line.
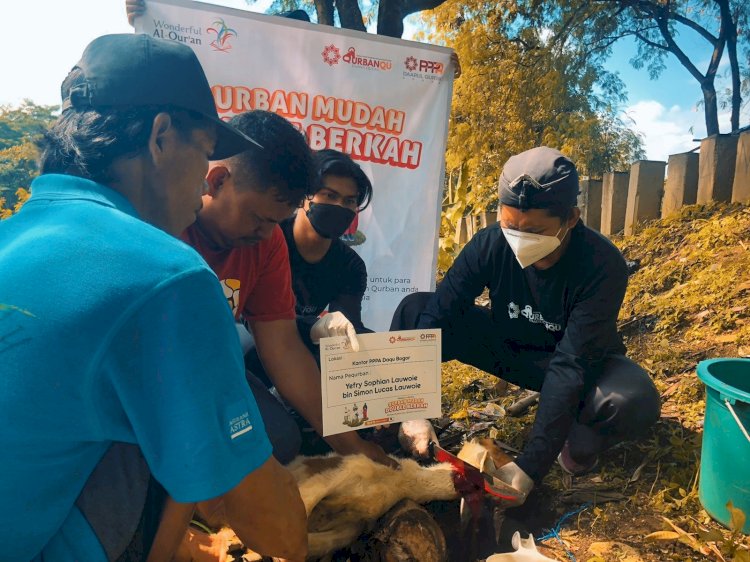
[[725, 457]]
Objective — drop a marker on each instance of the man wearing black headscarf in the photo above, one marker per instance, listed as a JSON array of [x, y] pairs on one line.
[[555, 288]]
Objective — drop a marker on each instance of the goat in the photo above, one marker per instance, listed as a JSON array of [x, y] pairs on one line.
[[343, 495]]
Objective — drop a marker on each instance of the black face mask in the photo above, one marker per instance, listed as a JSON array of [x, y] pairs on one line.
[[330, 221]]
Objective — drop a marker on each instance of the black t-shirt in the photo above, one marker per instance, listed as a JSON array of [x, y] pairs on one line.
[[338, 281], [564, 316]]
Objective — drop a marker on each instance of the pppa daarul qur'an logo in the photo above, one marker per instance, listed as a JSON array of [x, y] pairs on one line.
[[223, 35], [331, 55], [423, 68]]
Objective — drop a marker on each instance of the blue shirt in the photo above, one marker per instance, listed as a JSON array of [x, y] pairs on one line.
[[111, 331]]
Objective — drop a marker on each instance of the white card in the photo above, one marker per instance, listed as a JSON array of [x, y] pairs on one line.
[[394, 377]]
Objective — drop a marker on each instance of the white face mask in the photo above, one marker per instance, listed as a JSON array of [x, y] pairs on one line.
[[530, 248]]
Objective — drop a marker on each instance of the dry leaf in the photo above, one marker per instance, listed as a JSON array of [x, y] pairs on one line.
[[620, 551], [662, 536], [738, 518]]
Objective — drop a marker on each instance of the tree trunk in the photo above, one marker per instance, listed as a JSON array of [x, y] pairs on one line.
[[324, 9], [390, 18], [731, 27], [350, 15], [406, 533], [710, 108]]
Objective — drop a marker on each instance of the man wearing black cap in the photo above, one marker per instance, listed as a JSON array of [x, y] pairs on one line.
[[113, 395], [555, 288]]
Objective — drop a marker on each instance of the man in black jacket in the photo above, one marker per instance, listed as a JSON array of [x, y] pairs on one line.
[[555, 288]]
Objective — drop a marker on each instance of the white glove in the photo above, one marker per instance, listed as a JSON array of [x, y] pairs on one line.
[[334, 324], [512, 475], [414, 436]]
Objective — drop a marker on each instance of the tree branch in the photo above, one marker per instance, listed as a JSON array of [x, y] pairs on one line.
[[413, 6], [350, 15], [324, 9], [694, 26]]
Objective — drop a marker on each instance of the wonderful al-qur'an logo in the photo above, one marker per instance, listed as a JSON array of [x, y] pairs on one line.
[[223, 35]]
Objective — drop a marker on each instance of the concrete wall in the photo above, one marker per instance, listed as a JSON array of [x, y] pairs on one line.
[[462, 235], [614, 202], [488, 218], [645, 189], [741, 189], [590, 203], [716, 168], [682, 182]]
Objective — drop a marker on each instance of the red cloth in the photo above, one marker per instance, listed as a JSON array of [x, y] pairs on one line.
[[257, 280]]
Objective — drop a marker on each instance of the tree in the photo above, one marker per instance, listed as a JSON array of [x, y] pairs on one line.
[[389, 14], [519, 90], [19, 127], [656, 25]]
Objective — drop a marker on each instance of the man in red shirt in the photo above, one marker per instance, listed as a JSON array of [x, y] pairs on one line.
[[237, 232]]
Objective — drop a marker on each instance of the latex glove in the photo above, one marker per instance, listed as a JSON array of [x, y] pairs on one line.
[[415, 436], [134, 8], [334, 324], [525, 551], [512, 475]]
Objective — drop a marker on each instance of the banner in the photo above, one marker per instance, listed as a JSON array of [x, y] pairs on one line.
[[383, 101]]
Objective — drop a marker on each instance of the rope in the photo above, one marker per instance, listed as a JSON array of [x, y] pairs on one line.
[[554, 532], [737, 419]]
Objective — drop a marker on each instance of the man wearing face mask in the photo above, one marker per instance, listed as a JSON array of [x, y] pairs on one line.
[[326, 273], [555, 288]]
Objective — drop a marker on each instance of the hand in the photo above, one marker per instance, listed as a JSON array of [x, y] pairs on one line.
[[454, 61], [334, 324], [376, 453], [512, 475], [134, 8], [415, 436]]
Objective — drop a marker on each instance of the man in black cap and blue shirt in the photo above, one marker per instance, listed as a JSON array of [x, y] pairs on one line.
[[114, 393], [555, 289]]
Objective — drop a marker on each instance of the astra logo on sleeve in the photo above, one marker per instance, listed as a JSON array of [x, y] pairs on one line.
[[240, 425]]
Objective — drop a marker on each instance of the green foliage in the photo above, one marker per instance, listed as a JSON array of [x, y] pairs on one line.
[[23, 123], [19, 127], [518, 90]]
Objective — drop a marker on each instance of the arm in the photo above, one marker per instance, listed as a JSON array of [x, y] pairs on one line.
[[267, 513], [463, 282], [591, 328], [197, 422], [293, 370], [133, 9], [349, 299]]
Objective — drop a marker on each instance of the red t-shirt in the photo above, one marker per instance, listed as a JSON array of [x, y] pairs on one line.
[[257, 280]]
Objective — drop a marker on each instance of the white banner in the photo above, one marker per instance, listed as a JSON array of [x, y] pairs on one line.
[[383, 101]]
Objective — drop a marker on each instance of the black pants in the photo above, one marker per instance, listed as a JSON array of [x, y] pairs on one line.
[[622, 403], [282, 429]]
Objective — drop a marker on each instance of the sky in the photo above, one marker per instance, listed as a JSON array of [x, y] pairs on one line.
[[42, 39]]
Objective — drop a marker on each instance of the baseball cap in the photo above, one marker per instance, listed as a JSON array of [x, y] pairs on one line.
[[538, 179], [131, 70]]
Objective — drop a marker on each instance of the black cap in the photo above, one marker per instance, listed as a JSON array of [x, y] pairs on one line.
[[538, 179], [131, 70]]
